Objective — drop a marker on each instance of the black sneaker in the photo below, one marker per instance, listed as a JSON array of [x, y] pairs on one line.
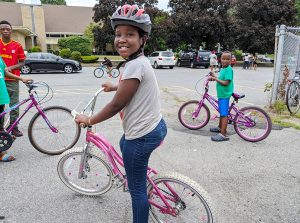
[[16, 132]]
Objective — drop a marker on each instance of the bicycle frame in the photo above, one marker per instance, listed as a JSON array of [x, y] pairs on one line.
[[33, 103], [214, 102], [114, 159]]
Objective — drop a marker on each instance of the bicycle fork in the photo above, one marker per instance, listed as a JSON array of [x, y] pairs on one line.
[[84, 166]]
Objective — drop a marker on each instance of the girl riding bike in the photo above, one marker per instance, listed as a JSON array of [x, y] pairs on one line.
[[137, 100]]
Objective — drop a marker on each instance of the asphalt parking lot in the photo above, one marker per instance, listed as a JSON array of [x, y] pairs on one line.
[[247, 182]]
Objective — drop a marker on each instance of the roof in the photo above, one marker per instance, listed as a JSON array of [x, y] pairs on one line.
[[75, 19], [11, 12]]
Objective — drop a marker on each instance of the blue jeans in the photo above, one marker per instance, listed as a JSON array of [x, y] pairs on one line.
[[136, 155]]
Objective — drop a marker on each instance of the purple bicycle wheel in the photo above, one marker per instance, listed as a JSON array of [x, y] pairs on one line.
[[189, 119], [253, 124]]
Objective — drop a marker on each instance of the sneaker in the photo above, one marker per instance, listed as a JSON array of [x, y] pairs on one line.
[[16, 132], [219, 138], [215, 129]]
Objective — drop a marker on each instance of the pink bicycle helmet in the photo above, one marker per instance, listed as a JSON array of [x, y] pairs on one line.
[[131, 15]]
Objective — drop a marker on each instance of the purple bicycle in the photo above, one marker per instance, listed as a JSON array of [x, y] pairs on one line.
[[97, 167], [50, 131], [251, 123]]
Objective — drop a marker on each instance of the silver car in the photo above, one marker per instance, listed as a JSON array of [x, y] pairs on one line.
[[160, 59]]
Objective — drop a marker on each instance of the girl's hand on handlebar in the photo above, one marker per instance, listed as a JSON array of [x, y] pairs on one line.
[[82, 119], [212, 77], [108, 86]]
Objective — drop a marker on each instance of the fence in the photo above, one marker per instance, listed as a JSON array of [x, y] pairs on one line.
[[287, 58]]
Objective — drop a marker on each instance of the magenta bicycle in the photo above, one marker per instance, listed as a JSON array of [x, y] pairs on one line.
[[50, 131], [250, 123], [96, 168]]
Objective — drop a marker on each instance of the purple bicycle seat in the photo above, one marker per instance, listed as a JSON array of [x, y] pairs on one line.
[[238, 96]]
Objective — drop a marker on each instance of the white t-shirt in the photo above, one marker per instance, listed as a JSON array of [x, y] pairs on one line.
[[213, 59], [142, 114]]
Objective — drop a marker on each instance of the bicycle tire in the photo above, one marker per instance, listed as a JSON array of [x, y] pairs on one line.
[[181, 204], [115, 72], [263, 128], [185, 113], [65, 171], [98, 72], [44, 139], [293, 97]]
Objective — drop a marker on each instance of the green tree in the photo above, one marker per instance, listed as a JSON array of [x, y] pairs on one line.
[[255, 21], [54, 2], [297, 3], [88, 32], [201, 23], [7, 0], [76, 43]]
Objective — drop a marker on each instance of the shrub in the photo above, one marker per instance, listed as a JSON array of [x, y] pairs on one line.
[[36, 49], [65, 53], [89, 59], [238, 54], [76, 43], [75, 55], [279, 106]]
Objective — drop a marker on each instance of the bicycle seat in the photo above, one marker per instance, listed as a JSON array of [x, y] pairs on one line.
[[237, 96]]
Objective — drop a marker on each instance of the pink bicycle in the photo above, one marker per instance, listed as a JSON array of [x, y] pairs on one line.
[[95, 169], [250, 123]]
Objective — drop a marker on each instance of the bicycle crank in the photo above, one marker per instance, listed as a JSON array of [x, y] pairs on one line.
[[6, 140]]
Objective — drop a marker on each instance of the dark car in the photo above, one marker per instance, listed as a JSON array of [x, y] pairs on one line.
[[49, 62], [194, 58]]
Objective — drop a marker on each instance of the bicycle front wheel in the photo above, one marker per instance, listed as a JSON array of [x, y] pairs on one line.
[[293, 97], [114, 72], [97, 175], [189, 201], [189, 119], [98, 72], [252, 124], [52, 142]]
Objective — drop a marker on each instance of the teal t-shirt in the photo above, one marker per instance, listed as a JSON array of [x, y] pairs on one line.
[[4, 98], [225, 91]]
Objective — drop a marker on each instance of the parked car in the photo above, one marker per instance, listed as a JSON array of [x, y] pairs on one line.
[[49, 62], [233, 59], [160, 59], [194, 58]]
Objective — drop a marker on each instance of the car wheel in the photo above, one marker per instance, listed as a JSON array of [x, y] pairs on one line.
[[26, 69], [171, 67], [68, 68], [192, 65], [156, 65], [206, 67], [178, 63]]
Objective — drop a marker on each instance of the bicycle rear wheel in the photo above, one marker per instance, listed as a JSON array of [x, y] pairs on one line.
[[185, 115], [97, 178], [114, 72], [53, 143], [98, 72], [293, 97], [189, 201], [253, 124]]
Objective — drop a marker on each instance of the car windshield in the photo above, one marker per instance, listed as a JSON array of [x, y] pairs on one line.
[[167, 54]]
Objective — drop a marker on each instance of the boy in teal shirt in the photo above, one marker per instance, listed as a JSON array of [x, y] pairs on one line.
[[224, 91], [4, 99]]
